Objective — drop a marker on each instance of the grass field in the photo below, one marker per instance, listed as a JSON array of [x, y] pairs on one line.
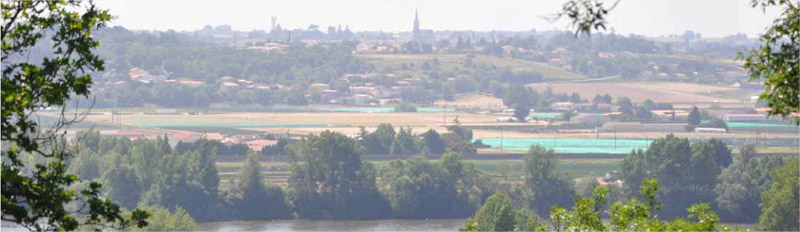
[[572, 168], [513, 169], [672, 92], [451, 61]]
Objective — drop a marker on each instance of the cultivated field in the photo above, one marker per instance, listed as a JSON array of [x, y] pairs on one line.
[[672, 92], [473, 100], [451, 61], [349, 123], [255, 120]]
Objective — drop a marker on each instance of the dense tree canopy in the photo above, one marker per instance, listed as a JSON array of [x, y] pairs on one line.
[[687, 171], [150, 172], [779, 204], [545, 186], [255, 199], [741, 184], [418, 189], [329, 180], [632, 215]]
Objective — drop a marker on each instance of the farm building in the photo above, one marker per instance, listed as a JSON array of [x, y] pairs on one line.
[[709, 130], [643, 127], [505, 119], [670, 114], [563, 106]]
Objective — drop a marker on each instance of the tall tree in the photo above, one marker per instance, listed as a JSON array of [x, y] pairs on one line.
[[687, 171], [738, 193], [521, 111], [694, 117], [779, 205], [329, 180], [120, 180], [434, 142], [36, 196], [546, 186], [405, 143], [496, 215], [253, 198], [417, 188]]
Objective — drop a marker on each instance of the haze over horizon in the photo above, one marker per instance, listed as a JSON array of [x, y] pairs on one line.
[[650, 18]]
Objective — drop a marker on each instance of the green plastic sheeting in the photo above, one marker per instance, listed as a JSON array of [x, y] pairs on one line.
[[571, 145], [754, 124], [545, 115]]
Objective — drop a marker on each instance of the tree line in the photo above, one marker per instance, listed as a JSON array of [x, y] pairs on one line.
[[329, 180], [385, 140]]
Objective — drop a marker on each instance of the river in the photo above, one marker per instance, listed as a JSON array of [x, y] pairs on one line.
[[323, 225]]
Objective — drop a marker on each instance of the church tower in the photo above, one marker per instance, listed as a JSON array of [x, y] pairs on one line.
[[416, 22]]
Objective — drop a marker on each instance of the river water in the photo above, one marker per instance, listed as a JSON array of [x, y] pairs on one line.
[[322, 225]]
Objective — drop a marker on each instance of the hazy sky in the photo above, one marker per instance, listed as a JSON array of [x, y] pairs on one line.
[[712, 18]]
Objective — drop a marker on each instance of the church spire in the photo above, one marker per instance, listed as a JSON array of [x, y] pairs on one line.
[[416, 21]]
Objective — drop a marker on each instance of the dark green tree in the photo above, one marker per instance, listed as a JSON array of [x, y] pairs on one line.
[[121, 181], [434, 142], [739, 187], [254, 199], [687, 171], [496, 215], [694, 116], [779, 204], [417, 188], [625, 106], [405, 143], [575, 98], [329, 180], [546, 187], [385, 134], [521, 111], [36, 196]]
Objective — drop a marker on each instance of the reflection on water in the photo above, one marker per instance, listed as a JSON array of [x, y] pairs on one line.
[[302, 225]]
